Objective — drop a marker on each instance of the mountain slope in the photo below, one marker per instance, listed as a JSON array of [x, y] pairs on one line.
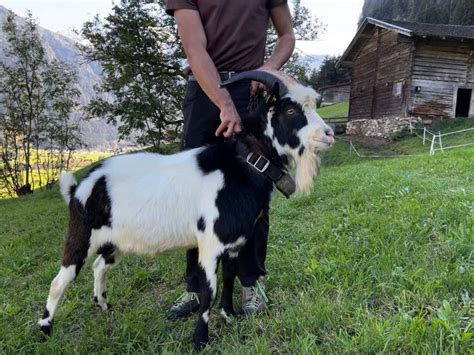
[[97, 134]]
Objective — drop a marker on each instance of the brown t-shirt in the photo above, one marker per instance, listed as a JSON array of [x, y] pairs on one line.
[[235, 29]]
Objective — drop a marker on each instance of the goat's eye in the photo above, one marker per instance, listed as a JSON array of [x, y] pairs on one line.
[[291, 111]]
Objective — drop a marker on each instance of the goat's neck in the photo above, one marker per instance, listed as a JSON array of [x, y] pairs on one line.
[[259, 135]]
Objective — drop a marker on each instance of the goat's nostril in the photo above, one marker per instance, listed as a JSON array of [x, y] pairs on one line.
[[329, 132]]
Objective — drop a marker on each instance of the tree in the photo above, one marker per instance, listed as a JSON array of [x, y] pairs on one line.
[[35, 96], [307, 28], [137, 47], [328, 74]]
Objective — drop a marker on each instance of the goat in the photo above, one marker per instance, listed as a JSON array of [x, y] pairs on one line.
[[209, 197]]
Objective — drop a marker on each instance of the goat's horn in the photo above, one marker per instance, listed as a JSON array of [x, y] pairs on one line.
[[263, 77]]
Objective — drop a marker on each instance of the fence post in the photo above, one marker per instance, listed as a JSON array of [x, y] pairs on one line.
[[440, 142], [432, 150]]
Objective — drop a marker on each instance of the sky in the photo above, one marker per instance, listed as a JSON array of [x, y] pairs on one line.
[[339, 16]]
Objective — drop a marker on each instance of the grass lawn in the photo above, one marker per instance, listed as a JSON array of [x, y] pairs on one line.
[[340, 110], [379, 258]]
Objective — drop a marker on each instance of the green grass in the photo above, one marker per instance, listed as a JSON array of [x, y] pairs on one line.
[[335, 111], [377, 259]]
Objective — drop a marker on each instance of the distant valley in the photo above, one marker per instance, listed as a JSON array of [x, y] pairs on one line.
[[96, 134]]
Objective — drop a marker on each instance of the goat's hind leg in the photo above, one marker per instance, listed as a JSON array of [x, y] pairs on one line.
[[108, 258], [67, 273], [75, 254], [59, 285]]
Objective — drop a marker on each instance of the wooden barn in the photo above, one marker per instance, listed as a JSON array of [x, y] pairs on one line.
[[401, 69]]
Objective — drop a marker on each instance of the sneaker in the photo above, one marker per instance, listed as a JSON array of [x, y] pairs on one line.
[[254, 300], [184, 306]]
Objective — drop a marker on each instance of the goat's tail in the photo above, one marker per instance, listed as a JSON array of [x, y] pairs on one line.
[[67, 185]]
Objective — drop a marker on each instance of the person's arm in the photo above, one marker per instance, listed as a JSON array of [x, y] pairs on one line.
[[281, 19], [194, 41]]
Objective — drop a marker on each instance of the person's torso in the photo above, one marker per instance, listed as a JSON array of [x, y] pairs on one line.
[[236, 32]]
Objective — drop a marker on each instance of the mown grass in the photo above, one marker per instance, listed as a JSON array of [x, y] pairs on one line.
[[340, 110], [377, 259]]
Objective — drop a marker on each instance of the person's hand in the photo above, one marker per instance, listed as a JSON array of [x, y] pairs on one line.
[[230, 121], [258, 87]]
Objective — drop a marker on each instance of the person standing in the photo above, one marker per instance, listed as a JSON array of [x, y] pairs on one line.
[[221, 38]]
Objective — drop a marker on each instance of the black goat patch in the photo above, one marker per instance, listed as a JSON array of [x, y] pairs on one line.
[[201, 225], [72, 191], [107, 251], [98, 205], [82, 220], [301, 151], [286, 125], [243, 186], [77, 243]]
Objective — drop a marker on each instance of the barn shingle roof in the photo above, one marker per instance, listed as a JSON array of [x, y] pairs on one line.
[[409, 29], [435, 30]]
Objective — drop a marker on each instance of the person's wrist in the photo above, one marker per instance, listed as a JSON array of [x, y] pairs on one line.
[[269, 66], [224, 101]]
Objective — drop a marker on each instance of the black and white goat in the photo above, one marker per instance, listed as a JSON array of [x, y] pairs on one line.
[[209, 198]]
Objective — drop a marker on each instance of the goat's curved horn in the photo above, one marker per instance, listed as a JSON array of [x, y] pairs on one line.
[[268, 79]]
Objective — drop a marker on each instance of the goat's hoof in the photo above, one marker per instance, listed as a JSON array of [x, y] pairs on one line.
[[200, 345], [200, 342], [46, 330], [102, 304], [228, 315]]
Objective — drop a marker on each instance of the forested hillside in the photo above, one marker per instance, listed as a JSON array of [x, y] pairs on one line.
[[455, 12], [96, 134]]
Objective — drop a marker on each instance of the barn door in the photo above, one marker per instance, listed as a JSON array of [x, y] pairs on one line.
[[463, 102]]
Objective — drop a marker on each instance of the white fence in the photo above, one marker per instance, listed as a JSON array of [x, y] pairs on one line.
[[437, 139]]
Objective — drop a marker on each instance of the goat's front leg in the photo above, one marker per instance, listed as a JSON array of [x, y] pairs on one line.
[[208, 290], [229, 272]]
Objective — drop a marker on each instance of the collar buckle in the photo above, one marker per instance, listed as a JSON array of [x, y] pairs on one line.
[[256, 160]]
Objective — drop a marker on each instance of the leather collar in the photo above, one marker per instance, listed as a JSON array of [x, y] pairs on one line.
[[283, 181]]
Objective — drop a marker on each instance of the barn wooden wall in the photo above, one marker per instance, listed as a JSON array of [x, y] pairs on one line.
[[439, 69], [381, 77]]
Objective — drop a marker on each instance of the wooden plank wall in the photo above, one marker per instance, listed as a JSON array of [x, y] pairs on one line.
[[380, 77], [363, 73], [439, 69], [393, 74]]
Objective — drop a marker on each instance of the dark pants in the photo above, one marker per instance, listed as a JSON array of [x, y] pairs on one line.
[[201, 119]]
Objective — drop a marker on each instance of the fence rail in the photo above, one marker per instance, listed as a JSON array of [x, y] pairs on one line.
[[437, 139]]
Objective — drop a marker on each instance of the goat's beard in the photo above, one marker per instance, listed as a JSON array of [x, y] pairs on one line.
[[306, 170]]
